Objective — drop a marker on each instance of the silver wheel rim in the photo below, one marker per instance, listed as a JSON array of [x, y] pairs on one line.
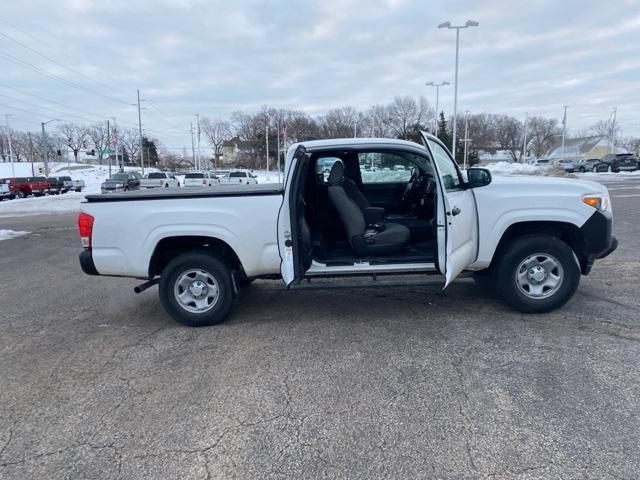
[[539, 276], [196, 291]]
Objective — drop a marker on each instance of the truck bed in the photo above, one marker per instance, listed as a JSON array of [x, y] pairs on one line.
[[223, 190]]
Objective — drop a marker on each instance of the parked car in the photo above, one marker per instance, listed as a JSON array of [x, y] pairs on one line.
[[567, 165], [77, 185], [541, 162], [122, 182], [620, 162], [200, 179], [24, 186], [55, 185], [5, 191], [67, 184], [201, 246], [587, 165], [241, 178], [159, 180]]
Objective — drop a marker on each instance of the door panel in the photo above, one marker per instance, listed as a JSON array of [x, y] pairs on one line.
[[293, 233], [457, 217]]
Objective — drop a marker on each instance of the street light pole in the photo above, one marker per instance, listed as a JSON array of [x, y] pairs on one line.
[[524, 140], [466, 137], [564, 127], [437, 85], [457, 28], [45, 147], [140, 134], [6, 118]]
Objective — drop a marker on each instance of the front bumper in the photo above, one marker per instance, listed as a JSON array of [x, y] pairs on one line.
[[110, 190], [86, 263], [598, 240]]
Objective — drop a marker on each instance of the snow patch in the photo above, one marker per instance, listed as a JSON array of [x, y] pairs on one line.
[[9, 234]]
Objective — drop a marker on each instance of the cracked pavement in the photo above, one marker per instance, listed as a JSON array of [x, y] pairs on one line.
[[405, 382]]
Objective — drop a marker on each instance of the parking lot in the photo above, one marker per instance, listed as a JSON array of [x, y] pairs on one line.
[[404, 382]]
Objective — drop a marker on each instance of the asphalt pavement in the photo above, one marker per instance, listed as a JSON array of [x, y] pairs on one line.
[[405, 382]]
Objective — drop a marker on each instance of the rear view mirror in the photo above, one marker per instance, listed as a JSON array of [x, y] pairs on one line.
[[478, 177]]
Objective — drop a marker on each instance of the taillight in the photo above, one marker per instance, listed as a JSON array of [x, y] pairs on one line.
[[85, 227]]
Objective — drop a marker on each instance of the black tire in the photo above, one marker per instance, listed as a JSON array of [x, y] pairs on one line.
[[245, 281], [20, 194], [520, 249], [212, 266]]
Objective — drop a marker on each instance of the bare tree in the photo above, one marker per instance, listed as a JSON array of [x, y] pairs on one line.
[[97, 133], [338, 123], [76, 138], [217, 131], [404, 116], [541, 133], [130, 140], [508, 134]]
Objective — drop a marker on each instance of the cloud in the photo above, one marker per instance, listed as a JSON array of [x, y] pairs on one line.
[[214, 57]]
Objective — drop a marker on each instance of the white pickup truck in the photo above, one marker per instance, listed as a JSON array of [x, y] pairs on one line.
[[159, 180], [535, 236]]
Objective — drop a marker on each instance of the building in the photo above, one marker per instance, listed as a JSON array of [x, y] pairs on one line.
[[236, 151], [596, 146]]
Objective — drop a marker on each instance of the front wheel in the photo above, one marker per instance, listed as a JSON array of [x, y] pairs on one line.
[[537, 274], [196, 289]]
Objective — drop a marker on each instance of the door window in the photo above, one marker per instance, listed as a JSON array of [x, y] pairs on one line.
[[385, 167], [447, 168]]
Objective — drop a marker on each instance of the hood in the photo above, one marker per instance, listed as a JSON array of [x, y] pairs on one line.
[[533, 182]]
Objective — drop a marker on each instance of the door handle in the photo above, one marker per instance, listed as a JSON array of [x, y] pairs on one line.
[[455, 211]]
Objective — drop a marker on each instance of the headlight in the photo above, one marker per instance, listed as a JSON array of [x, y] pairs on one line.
[[599, 201]]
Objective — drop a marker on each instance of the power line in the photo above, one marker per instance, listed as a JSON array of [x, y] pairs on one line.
[[58, 63], [32, 67], [54, 47]]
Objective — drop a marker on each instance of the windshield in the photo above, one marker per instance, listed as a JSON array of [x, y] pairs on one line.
[[194, 175], [237, 174], [119, 176], [157, 175]]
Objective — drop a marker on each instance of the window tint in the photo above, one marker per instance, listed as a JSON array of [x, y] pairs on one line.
[[119, 176], [194, 175], [156, 175], [447, 168], [237, 174], [323, 168], [385, 167]]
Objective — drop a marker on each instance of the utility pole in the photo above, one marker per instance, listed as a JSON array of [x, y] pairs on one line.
[[6, 118], [267, 136], [278, 150], [355, 130], [140, 133], [45, 158], [524, 140], [33, 173], [613, 131], [564, 127], [109, 146], [198, 137], [193, 149], [466, 138]]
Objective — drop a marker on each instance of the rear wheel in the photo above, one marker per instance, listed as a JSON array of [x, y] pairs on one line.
[[196, 289], [20, 194], [537, 273]]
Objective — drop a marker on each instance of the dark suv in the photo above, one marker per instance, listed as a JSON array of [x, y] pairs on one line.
[[621, 162], [122, 182]]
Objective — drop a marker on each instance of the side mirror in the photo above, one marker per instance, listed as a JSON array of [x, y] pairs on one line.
[[478, 177]]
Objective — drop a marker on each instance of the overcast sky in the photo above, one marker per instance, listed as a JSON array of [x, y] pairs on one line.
[[214, 57]]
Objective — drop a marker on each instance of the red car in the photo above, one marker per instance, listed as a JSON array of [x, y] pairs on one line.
[[24, 186]]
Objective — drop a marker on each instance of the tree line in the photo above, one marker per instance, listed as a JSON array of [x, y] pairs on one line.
[[402, 118]]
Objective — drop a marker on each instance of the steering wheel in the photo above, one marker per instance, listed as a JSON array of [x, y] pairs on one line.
[[408, 189]]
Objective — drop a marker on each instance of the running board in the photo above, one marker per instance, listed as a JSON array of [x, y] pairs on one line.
[[365, 268]]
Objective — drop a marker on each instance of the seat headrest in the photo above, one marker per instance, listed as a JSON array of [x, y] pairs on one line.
[[337, 173]]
